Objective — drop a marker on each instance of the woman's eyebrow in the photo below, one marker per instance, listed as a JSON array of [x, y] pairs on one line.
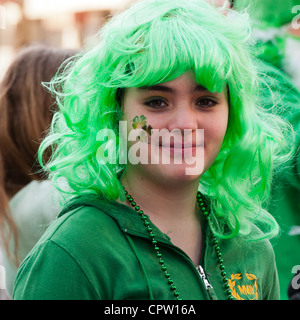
[[200, 88], [156, 88], [163, 88]]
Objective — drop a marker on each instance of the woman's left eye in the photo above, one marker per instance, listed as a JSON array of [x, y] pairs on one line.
[[206, 103]]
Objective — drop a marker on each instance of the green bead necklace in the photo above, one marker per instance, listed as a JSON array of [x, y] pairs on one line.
[[159, 255], [216, 246]]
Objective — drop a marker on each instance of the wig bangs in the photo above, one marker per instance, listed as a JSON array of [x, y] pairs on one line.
[[157, 59]]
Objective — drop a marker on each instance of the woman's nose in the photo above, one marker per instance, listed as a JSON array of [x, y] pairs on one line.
[[183, 117]]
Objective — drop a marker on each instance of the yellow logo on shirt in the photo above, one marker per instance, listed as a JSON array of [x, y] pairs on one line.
[[243, 288]]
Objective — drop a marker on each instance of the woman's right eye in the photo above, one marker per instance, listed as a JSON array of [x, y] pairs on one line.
[[156, 103]]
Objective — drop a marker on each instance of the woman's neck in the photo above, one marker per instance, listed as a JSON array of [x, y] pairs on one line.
[[172, 209], [157, 199]]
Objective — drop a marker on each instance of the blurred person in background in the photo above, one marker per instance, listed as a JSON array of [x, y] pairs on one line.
[[277, 45], [28, 202], [277, 32]]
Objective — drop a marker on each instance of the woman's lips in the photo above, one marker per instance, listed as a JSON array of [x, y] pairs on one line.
[[180, 146], [181, 150]]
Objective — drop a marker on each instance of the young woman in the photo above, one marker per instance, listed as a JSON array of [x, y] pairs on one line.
[[142, 227]]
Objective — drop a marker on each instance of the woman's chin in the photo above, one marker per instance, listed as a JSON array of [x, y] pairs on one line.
[[172, 174]]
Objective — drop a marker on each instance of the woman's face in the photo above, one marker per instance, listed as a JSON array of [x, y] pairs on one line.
[[179, 111]]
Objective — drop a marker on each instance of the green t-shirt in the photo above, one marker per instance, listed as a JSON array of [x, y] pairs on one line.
[[101, 250]]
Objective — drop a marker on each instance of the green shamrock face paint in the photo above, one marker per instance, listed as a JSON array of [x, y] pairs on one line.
[[140, 122]]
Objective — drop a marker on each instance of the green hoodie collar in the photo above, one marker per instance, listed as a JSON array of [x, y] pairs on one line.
[[126, 217]]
